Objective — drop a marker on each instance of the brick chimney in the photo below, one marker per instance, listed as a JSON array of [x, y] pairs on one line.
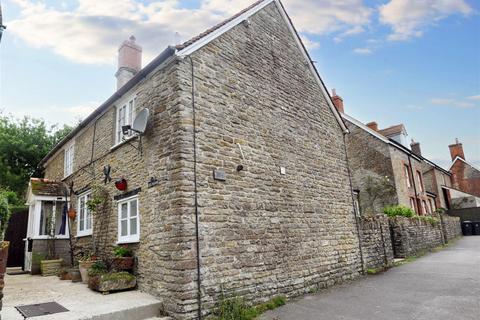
[[373, 125], [415, 146], [337, 101], [456, 150], [129, 61]]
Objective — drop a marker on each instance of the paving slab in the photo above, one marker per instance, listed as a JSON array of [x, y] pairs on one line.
[[444, 285], [82, 303]]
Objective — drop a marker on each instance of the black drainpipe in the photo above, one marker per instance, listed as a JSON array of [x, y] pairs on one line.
[[353, 204], [197, 236], [414, 184]]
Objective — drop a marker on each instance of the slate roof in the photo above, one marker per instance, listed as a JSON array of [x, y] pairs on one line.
[[216, 27], [45, 187], [393, 130]]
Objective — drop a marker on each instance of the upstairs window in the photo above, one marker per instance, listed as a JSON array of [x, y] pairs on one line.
[[407, 176], [125, 114], [84, 216], [68, 160], [420, 181]]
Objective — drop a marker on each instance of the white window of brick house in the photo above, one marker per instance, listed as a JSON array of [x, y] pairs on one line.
[[407, 176], [84, 216], [128, 221], [124, 116], [420, 181], [68, 159]]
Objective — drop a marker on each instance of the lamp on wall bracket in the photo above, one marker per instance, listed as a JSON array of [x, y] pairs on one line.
[[137, 129]]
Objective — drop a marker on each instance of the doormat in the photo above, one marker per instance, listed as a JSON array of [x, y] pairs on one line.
[[40, 309], [16, 273]]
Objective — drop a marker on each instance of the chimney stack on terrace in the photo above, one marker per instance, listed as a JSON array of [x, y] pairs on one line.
[[129, 61]]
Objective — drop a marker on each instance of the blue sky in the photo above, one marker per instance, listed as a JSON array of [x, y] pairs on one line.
[[393, 61]]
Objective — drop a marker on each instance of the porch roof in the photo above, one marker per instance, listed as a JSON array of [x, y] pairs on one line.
[[47, 188]]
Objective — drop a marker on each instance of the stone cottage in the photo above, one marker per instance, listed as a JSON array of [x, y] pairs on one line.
[[239, 183], [385, 171]]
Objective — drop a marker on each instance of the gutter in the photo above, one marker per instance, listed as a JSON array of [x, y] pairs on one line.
[[161, 58]]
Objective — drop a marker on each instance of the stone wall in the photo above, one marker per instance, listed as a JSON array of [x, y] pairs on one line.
[[411, 236], [369, 158], [376, 242], [451, 227], [265, 233]]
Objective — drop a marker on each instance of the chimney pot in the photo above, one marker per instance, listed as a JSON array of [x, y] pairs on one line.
[[373, 125], [415, 146], [129, 61], [456, 150], [337, 101]]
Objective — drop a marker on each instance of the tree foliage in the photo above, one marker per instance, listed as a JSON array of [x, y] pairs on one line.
[[23, 144]]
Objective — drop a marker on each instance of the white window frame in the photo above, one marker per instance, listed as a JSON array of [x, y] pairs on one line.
[[69, 156], [129, 238], [85, 232], [406, 168], [35, 210], [124, 119], [420, 181]]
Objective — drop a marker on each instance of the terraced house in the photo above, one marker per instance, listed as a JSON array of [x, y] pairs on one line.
[[238, 183], [387, 171]]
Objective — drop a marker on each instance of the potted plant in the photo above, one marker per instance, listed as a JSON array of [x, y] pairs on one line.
[[3, 256], [123, 259], [112, 281], [63, 274], [74, 274], [85, 263]]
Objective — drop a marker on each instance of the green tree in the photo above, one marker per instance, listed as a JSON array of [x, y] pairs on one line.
[[23, 144]]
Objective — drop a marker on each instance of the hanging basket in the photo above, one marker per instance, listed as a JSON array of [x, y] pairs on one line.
[[72, 213]]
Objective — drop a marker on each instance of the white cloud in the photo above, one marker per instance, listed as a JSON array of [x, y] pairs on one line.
[[477, 97], [409, 18], [364, 51], [91, 31], [455, 103], [309, 43]]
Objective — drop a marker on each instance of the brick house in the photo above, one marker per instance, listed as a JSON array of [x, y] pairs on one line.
[[240, 177], [381, 157], [465, 176]]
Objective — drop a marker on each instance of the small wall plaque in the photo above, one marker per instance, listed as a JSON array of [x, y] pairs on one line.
[[283, 171], [219, 175], [153, 182]]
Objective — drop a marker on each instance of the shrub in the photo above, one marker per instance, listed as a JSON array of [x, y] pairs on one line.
[[122, 251], [237, 309], [403, 211], [4, 214], [97, 268]]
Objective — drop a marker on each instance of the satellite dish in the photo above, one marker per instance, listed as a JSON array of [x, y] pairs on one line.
[[140, 123]]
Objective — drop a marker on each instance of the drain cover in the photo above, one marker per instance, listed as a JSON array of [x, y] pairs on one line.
[[40, 309]]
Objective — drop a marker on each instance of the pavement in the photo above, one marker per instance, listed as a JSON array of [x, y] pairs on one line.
[[81, 302], [443, 285]]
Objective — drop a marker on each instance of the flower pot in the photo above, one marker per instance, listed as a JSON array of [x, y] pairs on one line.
[[113, 281], [72, 213], [50, 267], [83, 266], [3, 256], [75, 275], [122, 263]]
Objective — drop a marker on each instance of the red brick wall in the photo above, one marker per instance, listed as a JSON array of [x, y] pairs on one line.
[[466, 178]]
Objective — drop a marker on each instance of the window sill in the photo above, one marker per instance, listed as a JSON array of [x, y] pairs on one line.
[[128, 241], [83, 235], [121, 143]]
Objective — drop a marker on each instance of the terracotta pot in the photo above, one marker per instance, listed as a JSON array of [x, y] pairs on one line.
[[83, 266], [3, 256], [72, 213], [122, 263]]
